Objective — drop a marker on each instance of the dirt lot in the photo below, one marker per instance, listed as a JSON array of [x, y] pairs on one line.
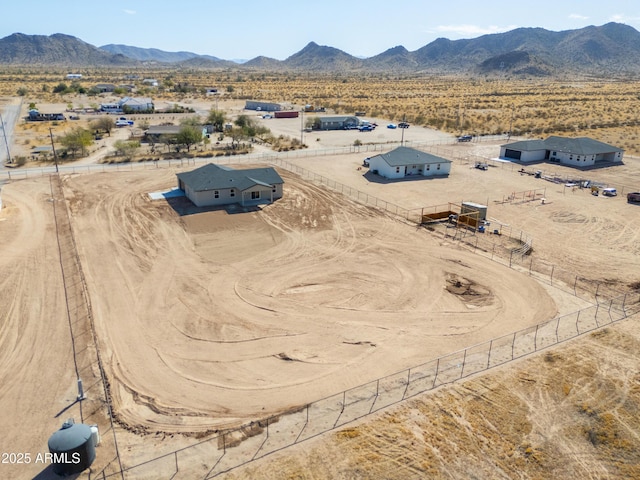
[[211, 319]]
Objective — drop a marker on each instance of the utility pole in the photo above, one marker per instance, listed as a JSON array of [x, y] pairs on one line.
[[404, 120], [4, 132], [55, 157]]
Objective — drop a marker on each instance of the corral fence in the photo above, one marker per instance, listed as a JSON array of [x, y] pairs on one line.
[[234, 448], [442, 147], [231, 449]]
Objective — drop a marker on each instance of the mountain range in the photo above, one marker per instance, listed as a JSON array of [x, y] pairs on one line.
[[609, 50]]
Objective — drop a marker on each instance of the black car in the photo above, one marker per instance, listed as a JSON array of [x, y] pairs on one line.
[[403, 125], [465, 138]]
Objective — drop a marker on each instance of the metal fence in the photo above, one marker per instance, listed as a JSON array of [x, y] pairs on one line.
[[234, 448], [231, 449]]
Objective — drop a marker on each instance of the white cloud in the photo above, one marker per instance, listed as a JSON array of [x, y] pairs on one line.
[[620, 18], [472, 30], [577, 16], [130, 12]]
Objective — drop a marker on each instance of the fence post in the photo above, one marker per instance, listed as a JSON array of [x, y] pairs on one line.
[[408, 381], [176, 457], [489, 354], [552, 269], [575, 292], [436, 375], [596, 316], [513, 345], [464, 359], [557, 327], [535, 339], [577, 320]]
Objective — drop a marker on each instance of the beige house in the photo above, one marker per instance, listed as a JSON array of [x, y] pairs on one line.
[[213, 184]]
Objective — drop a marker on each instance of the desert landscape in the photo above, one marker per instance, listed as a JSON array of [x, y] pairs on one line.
[[186, 323]]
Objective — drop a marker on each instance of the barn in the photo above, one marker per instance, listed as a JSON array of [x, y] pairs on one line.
[[407, 162], [212, 185], [573, 152]]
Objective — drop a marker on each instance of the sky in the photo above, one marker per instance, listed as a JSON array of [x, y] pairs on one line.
[[234, 30]]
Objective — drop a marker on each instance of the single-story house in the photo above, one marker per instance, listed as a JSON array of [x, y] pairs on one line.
[[573, 152], [128, 104], [213, 184], [337, 123], [406, 162], [36, 116], [105, 87], [154, 132], [262, 106], [152, 82]]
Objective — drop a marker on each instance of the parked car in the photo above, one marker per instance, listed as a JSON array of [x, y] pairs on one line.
[[403, 125], [465, 138], [365, 128], [609, 192], [123, 122], [633, 197], [392, 125]]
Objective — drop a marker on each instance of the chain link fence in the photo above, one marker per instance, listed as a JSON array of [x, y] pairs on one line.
[[231, 449]]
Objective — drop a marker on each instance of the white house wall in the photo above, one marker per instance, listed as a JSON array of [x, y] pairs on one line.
[[428, 170], [432, 170], [383, 168], [208, 198]]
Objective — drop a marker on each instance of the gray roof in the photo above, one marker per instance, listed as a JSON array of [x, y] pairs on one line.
[[402, 156], [339, 119], [576, 146], [163, 130], [214, 177]]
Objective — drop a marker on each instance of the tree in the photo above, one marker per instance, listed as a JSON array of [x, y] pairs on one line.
[[126, 148], [22, 91], [77, 140], [189, 135], [236, 134], [60, 88], [103, 124], [250, 127], [217, 118]]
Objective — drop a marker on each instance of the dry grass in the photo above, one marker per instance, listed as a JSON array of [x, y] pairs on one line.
[[606, 110]]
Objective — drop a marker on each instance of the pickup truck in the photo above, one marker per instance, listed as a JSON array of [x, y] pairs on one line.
[[633, 197], [123, 122]]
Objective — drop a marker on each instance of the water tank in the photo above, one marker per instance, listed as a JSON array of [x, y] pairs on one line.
[[73, 448]]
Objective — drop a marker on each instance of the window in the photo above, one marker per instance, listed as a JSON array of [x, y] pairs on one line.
[[438, 167], [274, 189], [428, 167], [397, 169], [255, 195], [216, 194], [232, 192]]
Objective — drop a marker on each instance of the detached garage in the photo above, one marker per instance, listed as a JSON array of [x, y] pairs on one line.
[[213, 184], [574, 152]]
